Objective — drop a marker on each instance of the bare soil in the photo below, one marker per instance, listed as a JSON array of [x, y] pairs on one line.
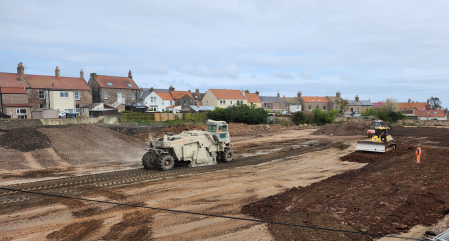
[[24, 139], [345, 129], [389, 195]]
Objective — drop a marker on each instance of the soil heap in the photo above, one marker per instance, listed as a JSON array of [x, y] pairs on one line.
[[345, 129], [24, 139]]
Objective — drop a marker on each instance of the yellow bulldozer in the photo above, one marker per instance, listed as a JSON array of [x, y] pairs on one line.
[[381, 141]]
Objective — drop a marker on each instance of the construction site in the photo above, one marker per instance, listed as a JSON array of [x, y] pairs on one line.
[[87, 182]]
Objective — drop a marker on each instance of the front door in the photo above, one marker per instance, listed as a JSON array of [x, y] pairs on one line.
[[10, 112], [119, 95]]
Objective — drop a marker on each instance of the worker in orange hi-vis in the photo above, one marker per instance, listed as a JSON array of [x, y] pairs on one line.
[[418, 154]]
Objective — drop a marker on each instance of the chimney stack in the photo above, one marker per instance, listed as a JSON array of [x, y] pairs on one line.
[[171, 89], [151, 89], [279, 95], [82, 74], [57, 72], [189, 91], [247, 91], [93, 75], [21, 70], [243, 93], [197, 91], [257, 93], [357, 98], [338, 95], [409, 100], [130, 75], [299, 94]]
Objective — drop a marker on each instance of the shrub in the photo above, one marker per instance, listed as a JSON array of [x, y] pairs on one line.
[[299, 118], [240, 113]]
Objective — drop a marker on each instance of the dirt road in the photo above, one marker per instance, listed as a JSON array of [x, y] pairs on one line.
[[222, 192]]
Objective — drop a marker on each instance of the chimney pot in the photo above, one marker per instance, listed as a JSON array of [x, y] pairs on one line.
[[279, 95], [299, 95], [257, 93], [82, 74], [197, 91]]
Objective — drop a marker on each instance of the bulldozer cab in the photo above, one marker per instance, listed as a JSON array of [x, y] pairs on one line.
[[379, 123], [382, 133], [218, 127]]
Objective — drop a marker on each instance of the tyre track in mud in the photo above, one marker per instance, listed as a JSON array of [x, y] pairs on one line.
[[132, 176]]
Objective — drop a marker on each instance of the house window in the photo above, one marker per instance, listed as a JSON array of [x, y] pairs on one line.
[[324, 107], [129, 85], [310, 107], [207, 102], [185, 102], [42, 106], [64, 94], [196, 103], [297, 107], [105, 95], [123, 95], [77, 107], [77, 95], [230, 102], [109, 84], [435, 112], [171, 102], [68, 110], [224, 101], [133, 96], [221, 101], [41, 95], [162, 101], [152, 99], [21, 111], [286, 107], [265, 105], [336, 107]]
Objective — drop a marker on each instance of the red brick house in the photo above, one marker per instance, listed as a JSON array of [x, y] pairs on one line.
[[113, 90]]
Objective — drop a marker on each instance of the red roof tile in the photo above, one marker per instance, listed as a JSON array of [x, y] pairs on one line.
[[313, 99], [430, 113], [16, 105], [228, 94], [165, 95], [252, 98], [179, 94], [13, 91], [117, 82], [10, 80], [412, 105], [57, 83]]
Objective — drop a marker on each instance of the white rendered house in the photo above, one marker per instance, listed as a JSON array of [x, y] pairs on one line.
[[157, 101]]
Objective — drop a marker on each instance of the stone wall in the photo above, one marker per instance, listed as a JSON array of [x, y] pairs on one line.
[[7, 124], [14, 98], [424, 122]]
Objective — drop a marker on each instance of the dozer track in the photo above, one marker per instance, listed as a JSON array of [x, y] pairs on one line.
[[375, 146]]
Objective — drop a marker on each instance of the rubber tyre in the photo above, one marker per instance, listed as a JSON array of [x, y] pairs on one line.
[[146, 161], [227, 155], [165, 162]]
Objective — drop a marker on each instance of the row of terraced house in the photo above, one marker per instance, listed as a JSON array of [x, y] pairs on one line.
[[22, 94]]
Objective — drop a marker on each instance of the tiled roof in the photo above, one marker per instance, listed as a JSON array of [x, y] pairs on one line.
[[269, 99], [252, 98], [412, 105], [165, 96], [116, 82], [58, 83], [11, 80], [360, 102], [13, 90], [204, 108], [290, 101], [179, 94], [313, 99], [227, 94], [17, 105], [430, 113], [198, 96], [173, 106]]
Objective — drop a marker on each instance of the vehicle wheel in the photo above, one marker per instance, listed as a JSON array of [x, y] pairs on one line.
[[227, 155], [146, 161], [165, 162]]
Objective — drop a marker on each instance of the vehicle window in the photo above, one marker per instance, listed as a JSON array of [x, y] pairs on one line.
[[212, 128], [224, 128], [222, 136]]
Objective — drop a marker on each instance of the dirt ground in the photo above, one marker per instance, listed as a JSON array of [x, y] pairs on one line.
[[345, 129], [391, 194], [315, 180]]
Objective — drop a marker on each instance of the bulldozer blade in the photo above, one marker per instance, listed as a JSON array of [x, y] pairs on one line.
[[370, 146]]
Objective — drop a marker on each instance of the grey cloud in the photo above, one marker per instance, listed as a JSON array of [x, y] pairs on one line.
[[307, 73], [231, 71]]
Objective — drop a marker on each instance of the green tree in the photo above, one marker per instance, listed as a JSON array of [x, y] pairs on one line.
[[370, 112], [299, 118], [240, 113]]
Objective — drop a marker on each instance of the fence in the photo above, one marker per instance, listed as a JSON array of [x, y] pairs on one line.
[[160, 117]]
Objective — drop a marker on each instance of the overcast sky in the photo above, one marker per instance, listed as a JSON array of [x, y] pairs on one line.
[[376, 49]]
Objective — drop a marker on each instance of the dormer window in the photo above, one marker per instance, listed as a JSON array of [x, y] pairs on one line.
[[109, 84], [313, 100], [17, 79], [130, 85], [319, 100]]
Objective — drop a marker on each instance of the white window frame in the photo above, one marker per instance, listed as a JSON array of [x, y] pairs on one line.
[[171, 102], [106, 95], [133, 96], [18, 112], [41, 93], [230, 102], [77, 93], [77, 108], [185, 102], [65, 94], [152, 99], [162, 101], [264, 105], [310, 107]]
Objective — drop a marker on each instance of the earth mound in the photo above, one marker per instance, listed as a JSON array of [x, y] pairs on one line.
[[24, 139], [345, 129]]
